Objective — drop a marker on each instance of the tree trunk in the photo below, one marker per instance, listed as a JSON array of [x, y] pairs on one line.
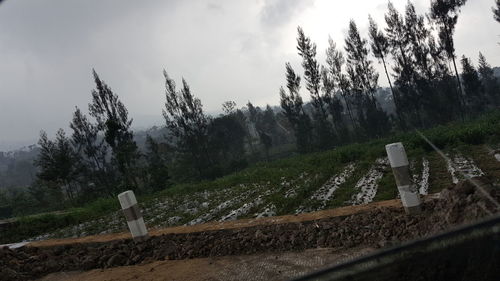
[[394, 96], [452, 57], [349, 111], [460, 90]]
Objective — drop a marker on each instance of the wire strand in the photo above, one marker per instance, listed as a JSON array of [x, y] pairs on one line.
[[467, 177]]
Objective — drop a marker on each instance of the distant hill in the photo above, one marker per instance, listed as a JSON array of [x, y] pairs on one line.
[[496, 71], [16, 167]]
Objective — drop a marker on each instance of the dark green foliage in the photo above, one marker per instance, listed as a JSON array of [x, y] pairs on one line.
[[100, 159], [93, 152], [381, 48], [157, 174], [490, 83], [444, 14], [294, 112], [30, 226], [496, 11], [112, 119], [226, 136], [203, 147], [324, 163], [188, 125], [265, 127], [363, 84], [307, 50], [423, 84], [476, 132], [335, 92], [323, 134], [58, 163], [474, 96]]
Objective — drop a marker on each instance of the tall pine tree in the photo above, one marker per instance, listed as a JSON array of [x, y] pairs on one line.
[[489, 81], [292, 105], [112, 119], [475, 100], [444, 13], [381, 49], [364, 82], [496, 11], [312, 77], [188, 126]]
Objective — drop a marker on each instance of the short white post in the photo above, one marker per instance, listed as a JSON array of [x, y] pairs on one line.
[[401, 169], [133, 215], [497, 155]]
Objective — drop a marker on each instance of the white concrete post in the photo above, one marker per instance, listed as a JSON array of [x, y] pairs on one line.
[[496, 153], [401, 168], [133, 215]]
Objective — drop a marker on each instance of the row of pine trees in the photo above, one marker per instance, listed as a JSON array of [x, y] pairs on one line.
[[419, 60]]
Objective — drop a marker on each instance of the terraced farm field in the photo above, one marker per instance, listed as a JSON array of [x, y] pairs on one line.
[[312, 186], [332, 205], [273, 248]]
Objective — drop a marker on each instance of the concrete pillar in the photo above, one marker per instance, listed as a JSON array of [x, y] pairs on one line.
[[133, 215], [401, 168], [496, 154]]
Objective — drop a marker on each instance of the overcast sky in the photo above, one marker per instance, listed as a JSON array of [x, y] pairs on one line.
[[226, 50]]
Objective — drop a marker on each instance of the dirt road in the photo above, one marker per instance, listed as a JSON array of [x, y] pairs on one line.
[[270, 266]]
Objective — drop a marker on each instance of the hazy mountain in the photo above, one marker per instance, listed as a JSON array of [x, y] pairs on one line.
[[16, 167]]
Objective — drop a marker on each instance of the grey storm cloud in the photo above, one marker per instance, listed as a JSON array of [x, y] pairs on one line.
[[225, 49], [277, 12]]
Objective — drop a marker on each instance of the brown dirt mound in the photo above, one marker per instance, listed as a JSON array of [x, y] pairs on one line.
[[378, 227]]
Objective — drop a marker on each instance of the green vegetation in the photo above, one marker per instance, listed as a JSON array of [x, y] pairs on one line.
[[320, 166], [349, 119], [386, 186]]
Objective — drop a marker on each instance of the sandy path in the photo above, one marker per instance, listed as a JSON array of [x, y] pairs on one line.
[[269, 266]]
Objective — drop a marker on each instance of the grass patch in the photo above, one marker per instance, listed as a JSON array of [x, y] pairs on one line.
[[439, 177], [345, 192], [485, 161], [387, 188]]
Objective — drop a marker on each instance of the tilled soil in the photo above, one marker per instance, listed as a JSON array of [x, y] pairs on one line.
[[375, 228]]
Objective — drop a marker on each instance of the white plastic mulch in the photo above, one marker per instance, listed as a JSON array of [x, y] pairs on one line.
[[269, 211], [460, 167], [210, 215], [421, 181], [368, 184], [424, 180], [325, 192]]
